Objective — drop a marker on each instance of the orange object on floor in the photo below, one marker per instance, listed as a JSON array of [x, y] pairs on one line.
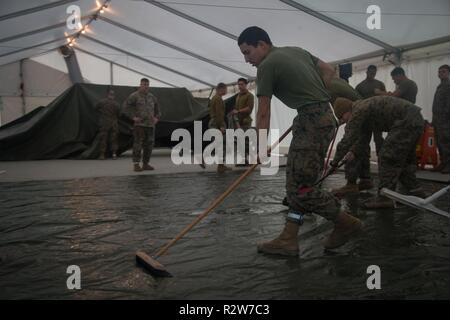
[[426, 150]]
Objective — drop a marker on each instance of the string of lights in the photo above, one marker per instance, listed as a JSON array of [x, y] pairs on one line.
[[82, 28]]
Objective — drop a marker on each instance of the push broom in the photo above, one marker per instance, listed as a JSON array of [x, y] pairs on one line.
[[157, 269]]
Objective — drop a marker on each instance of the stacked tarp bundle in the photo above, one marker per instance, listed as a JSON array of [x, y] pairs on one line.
[[67, 127]]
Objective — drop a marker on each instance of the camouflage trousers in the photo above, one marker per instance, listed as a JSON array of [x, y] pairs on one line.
[[108, 129], [212, 125], [397, 157], [378, 139], [443, 141], [143, 140], [312, 132], [247, 145], [359, 167]]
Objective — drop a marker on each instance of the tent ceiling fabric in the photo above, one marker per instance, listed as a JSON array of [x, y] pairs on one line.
[[186, 52], [158, 53], [20, 8], [403, 21], [139, 63]]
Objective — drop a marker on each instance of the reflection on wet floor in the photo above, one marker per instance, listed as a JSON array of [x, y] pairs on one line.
[[98, 224]]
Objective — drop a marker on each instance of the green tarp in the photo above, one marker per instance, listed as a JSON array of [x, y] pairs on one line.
[[67, 127]]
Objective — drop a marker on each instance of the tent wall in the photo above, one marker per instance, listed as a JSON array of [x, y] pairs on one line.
[[98, 71], [423, 71], [53, 79], [41, 85]]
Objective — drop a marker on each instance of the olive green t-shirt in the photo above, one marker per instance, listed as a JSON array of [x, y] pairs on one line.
[[243, 101], [408, 90], [290, 74], [339, 88], [366, 88], [217, 112]]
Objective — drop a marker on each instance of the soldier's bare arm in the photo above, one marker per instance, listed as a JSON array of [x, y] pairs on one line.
[[263, 116]]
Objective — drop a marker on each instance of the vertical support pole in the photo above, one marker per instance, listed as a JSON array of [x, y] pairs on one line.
[[111, 72], [22, 87]]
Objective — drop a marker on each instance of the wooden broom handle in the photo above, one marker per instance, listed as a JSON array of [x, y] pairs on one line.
[[217, 201]]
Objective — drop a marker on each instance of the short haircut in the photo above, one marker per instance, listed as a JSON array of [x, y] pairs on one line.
[[372, 67], [398, 72], [252, 35], [445, 66], [145, 80], [221, 85], [243, 80]]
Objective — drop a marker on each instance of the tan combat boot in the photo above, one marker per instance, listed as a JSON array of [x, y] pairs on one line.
[[345, 226], [285, 244], [137, 167], [146, 166], [365, 184], [347, 189], [222, 168], [379, 202]]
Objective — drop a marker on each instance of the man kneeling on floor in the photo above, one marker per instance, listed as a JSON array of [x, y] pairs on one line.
[[404, 124]]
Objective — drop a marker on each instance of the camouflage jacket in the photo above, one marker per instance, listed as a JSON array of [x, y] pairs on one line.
[[441, 104], [381, 113], [109, 110], [143, 106]]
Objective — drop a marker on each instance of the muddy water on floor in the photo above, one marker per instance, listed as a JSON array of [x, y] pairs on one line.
[[98, 224]]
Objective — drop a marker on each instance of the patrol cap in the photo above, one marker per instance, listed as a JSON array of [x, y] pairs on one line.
[[341, 106]]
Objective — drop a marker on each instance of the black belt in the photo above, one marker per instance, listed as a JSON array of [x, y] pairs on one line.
[[315, 104]]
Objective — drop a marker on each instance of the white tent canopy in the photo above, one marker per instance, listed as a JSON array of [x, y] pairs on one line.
[[192, 43]]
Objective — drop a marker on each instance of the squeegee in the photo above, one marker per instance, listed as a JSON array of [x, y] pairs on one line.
[[416, 202]]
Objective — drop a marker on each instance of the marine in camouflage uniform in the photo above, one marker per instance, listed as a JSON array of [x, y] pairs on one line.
[[109, 111], [143, 108], [297, 78], [217, 119], [359, 167], [404, 124], [242, 111], [366, 89], [441, 118]]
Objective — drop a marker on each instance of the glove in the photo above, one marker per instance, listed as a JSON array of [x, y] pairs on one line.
[[334, 164], [350, 156]]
